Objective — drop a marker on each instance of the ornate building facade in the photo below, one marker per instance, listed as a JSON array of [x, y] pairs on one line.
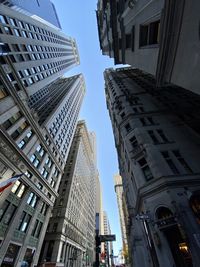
[[138, 33], [159, 164]]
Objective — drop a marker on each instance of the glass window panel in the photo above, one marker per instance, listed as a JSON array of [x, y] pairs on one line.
[[21, 191], [15, 186]]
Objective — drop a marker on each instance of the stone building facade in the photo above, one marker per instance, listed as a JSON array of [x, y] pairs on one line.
[[158, 154], [138, 33]]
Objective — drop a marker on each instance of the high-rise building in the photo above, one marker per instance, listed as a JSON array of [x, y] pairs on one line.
[[34, 53], [38, 117], [138, 33], [107, 246], [99, 206], [122, 210], [36, 144], [70, 238], [44, 9], [56, 108], [158, 156]]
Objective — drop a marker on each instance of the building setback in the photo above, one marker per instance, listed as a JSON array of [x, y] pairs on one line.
[[44, 9], [158, 156], [138, 33], [38, 117], [70, 238]]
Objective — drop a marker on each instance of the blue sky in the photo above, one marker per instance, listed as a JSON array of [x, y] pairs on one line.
[[78, 19]]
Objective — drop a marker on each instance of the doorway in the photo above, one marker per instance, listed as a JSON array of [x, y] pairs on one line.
[[176, 238]]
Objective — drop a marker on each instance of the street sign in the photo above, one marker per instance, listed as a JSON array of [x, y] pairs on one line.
[[142, 217], [104, 238]]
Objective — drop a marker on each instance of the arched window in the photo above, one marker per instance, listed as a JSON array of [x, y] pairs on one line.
[[163, 213]]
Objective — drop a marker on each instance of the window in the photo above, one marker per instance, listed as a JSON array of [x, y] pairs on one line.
[[35, 227], [153, 137], [162, 135], [145, 169], [19, 130], [44, 208], [20, 74], [28, 174], [31, 35], [38, 230], [3, 19], [40, 186], [23, 47], [19, 58], [11, 254], [40, 150], [24, 222], [10, 77], [33, 70], [13, 22], [170, 162], [17, 32], [32, 200], [29, 134], [147, 121], [21, 144], [128, 127], [182, 161], [149, 34], [7, 30], [3, 209], [18, 189], [44, 172], [30, 48], [31, 81], [36, 162], [32, 158], [7, 212], [27, 72], [21, 24], [24, 34], [133, 142]]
